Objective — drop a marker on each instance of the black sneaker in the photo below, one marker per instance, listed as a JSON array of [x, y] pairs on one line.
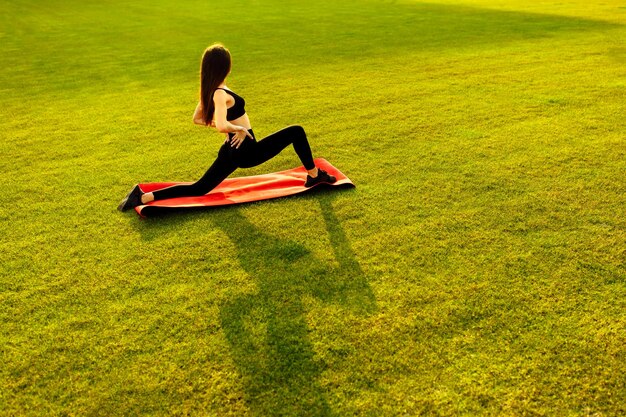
[[322, 178], [132, 200]]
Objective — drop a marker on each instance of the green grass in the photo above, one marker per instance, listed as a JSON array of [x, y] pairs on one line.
[[477, 268]]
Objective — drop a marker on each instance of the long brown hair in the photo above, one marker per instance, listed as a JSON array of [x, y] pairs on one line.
[[215, 67]]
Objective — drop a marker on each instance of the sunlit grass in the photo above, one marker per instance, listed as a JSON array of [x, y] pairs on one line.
[[477, 268]]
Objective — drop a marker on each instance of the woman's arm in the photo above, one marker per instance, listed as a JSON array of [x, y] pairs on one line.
[[197, 115]]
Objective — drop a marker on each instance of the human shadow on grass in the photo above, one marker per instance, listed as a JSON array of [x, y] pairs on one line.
[[267, 330]]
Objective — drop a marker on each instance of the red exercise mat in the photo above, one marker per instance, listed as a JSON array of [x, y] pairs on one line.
[[242, 189]]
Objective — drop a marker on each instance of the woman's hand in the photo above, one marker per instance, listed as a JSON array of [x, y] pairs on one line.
[[240, 135]]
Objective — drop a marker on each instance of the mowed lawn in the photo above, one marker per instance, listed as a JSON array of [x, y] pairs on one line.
[[478, 267]]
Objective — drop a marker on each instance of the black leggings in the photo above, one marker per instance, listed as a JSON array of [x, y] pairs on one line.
[[250, 153]]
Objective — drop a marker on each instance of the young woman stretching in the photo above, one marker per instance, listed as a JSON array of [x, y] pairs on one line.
[[223, 109]]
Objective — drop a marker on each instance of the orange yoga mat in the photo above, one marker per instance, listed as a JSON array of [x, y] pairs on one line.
[[242, 189]]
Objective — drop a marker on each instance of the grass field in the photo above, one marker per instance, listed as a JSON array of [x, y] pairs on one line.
[[477, 268]]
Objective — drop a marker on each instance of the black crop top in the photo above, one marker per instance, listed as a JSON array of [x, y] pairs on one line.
[[238, 109]]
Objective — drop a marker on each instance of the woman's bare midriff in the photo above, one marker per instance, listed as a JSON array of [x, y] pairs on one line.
[[242, 121]]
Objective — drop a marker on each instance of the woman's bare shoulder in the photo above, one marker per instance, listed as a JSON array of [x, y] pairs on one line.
[[220, 96]]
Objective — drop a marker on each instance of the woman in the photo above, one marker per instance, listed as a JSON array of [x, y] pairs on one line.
[[221, 108]]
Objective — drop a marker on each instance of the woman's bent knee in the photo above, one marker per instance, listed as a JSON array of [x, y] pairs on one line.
[[297, 130]]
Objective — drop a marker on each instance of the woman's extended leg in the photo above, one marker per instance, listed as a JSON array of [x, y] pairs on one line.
[[251, 154], [217, 172]]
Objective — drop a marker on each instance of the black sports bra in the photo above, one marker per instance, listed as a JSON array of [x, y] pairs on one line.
[[238, 109]]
